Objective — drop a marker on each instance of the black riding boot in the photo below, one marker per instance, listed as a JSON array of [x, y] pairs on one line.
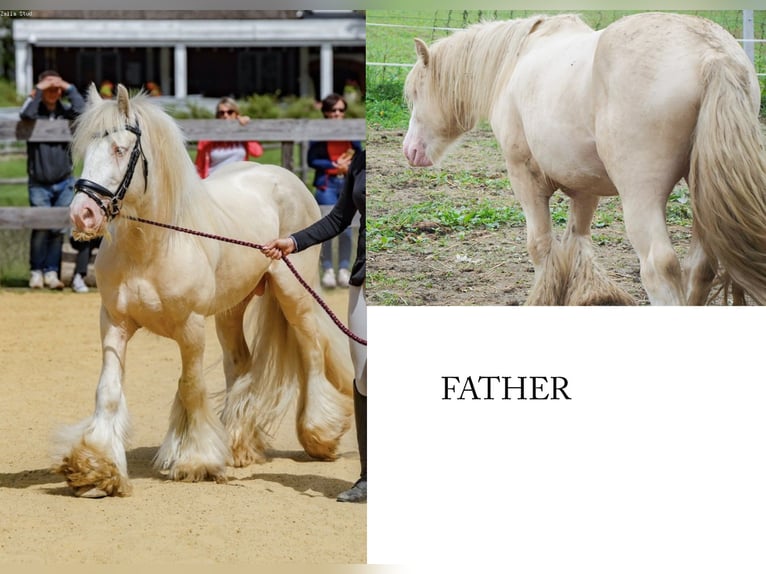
[[358, 492]]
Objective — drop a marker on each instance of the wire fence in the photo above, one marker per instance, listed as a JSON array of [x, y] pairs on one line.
[[390, 50]]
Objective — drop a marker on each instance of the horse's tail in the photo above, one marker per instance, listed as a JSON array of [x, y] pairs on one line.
[[727, 176], [285, 350]]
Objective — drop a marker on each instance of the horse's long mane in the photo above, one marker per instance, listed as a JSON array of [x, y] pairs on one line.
[[174, 191], [466, 69]]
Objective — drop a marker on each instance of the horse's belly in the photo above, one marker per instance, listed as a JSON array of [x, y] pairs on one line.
[[575, 167], [566, 152], [161, 299]]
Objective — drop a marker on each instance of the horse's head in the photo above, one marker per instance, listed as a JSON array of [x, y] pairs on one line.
[[438, 114], [108, 139], [421, 133]]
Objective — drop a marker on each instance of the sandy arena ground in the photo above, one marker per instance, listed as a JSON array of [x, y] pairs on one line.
[[281, 511]]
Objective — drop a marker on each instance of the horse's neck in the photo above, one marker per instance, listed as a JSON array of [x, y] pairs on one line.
[[484, 61], [490, 52], [188, 205]]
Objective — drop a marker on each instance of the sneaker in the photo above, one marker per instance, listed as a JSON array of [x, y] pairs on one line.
[[52, 281], [328, 279], [78, 284], [344, 275], [36, 280]]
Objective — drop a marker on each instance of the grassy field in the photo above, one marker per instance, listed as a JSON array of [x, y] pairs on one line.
[[390, 41]]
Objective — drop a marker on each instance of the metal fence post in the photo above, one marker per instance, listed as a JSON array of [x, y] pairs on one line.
[[748, 34]]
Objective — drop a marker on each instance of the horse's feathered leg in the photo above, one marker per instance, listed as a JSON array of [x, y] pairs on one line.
[[324, 405], [588, 283], [293, 351], [534, 193], [91, 455], [230, 331], [195, 447], [257, 395]]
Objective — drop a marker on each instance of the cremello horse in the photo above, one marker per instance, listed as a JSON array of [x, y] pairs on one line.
[[628, 110], [168, 282]]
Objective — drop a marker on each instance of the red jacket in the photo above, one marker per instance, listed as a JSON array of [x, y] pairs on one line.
[[252, 149]]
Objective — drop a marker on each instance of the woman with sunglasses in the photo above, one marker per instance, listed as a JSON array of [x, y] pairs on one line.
[[331, 161], [213, 154]]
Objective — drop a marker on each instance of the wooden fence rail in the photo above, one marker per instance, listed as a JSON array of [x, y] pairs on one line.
[[288, 133]]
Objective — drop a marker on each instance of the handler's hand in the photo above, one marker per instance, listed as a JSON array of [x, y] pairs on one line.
[[278, 248]]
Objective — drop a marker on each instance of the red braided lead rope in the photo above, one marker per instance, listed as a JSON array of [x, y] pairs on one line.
[[289, 264]]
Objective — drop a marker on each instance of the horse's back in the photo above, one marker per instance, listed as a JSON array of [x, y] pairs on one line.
[[654, 60], [267, 188]]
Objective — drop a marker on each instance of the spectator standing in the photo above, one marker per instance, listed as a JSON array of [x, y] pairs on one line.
[[213, 154], [49, 167], [330, 161]]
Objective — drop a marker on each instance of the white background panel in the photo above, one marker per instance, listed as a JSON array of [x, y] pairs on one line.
[[654, 465]]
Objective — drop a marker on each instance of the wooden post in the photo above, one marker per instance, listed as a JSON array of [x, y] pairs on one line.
[[287, 155]]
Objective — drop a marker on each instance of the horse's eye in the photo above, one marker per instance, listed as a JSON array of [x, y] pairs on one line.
[[119, 151]]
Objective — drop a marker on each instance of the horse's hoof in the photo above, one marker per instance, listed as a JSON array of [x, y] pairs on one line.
[[187, 473], [318, 448], [90, 492], [242, 456]]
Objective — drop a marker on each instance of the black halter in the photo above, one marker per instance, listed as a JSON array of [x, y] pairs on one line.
[[111, 202]]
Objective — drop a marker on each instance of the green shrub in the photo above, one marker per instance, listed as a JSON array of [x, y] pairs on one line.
[[8, 96], [191, 111], [294, 107], [261, 106]]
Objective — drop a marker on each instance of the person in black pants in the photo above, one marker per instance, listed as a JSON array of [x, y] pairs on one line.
[[351, 200], [84, 250]]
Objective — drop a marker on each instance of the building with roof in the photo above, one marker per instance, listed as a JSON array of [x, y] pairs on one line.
[[185, 52]]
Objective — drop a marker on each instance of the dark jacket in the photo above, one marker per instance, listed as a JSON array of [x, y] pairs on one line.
[[50, 162], [352, 198]]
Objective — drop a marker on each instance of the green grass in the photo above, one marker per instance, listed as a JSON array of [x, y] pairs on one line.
[[14, 195], [437, 217]]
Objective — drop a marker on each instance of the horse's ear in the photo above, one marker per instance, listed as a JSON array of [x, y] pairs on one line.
[[93, 95], [123, 100], [422, 51]]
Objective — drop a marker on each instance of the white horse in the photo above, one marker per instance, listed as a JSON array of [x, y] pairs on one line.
[[628, 110], [168, 282]]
